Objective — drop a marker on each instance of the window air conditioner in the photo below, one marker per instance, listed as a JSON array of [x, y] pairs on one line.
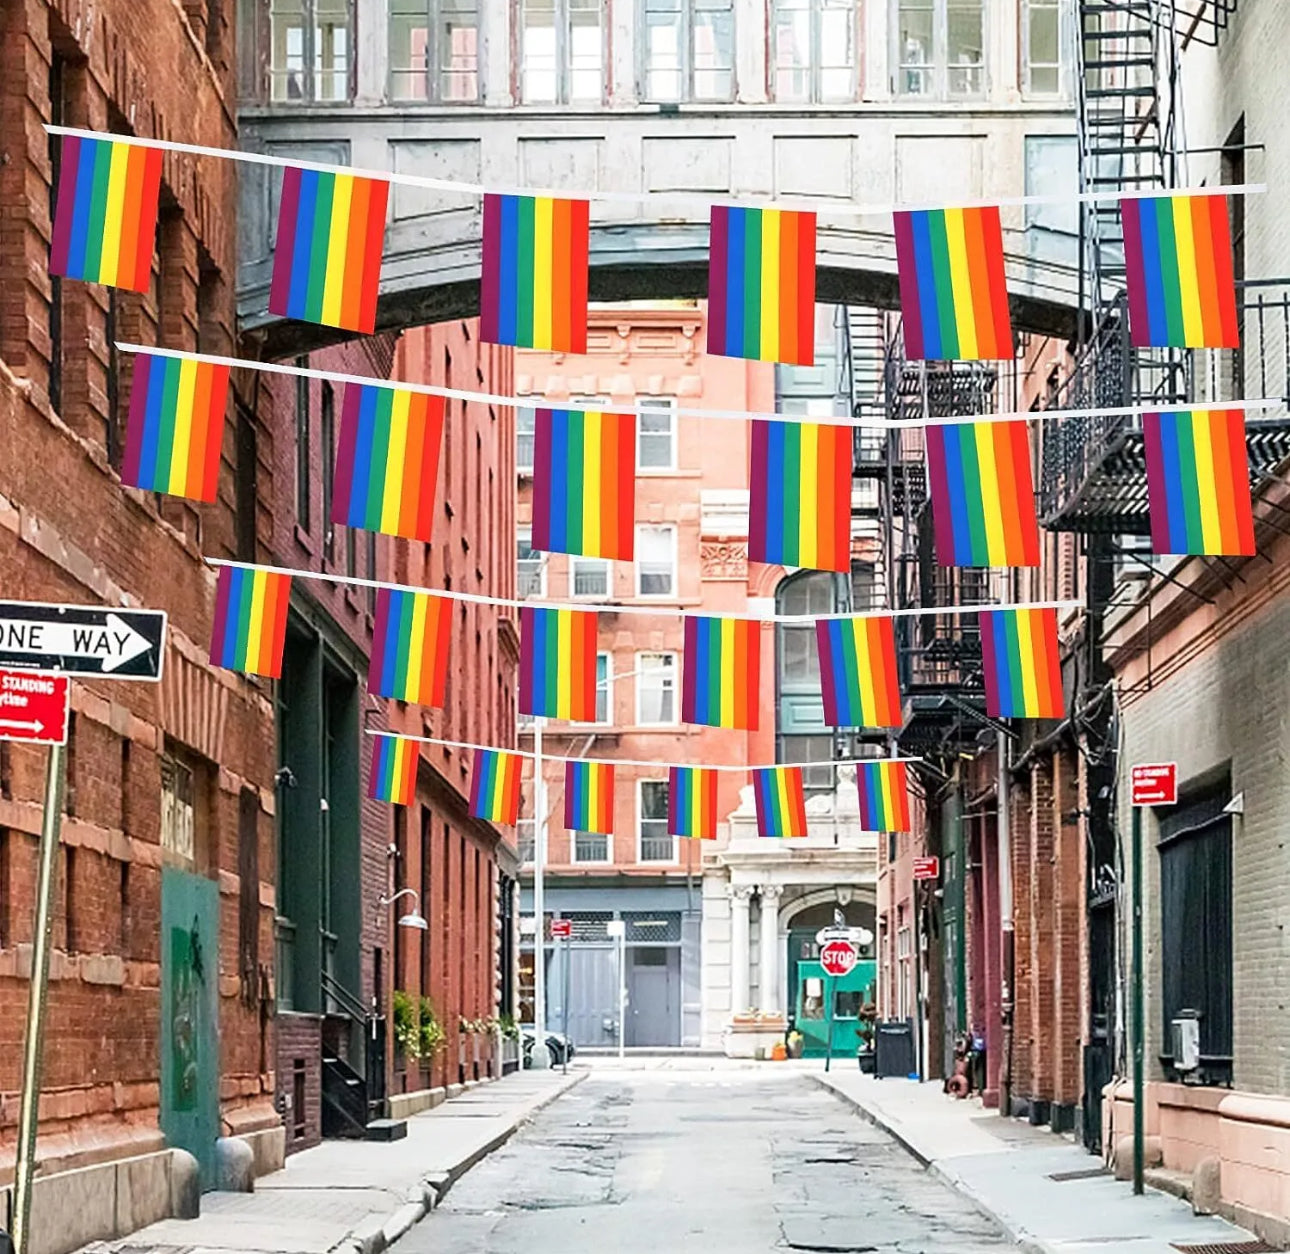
[[1186, 1043]]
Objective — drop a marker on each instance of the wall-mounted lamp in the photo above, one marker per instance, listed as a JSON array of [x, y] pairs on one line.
[[414, 917]]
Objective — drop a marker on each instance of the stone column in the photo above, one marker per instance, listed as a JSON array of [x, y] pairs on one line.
[[740, 897], [770, 993]]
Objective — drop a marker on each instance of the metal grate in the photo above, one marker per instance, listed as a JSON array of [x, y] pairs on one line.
[[589, 925], [652, 926], [1227, 1247]]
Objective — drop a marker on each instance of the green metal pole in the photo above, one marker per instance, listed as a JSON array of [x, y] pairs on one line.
[[1136, 995], [29, 1100], [828, 1040]]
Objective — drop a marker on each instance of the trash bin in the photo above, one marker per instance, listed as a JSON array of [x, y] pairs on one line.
[[894, 1049]]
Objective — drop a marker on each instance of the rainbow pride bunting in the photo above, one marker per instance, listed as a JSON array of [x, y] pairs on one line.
[[800, 495], [495, 786], [387, 464], [884, 796], [983, 499], [858, 672], [781, 801], [250, 620], [1178, 256], [589, 797], [953, 292], [721, 685], [327, 256], [176, 427], [1198, 483], [105, 217], [533, 278], [410, 647], [584, 483], [692, 802], [761, 285], [1023, 676], [394, 770], [558, 663]]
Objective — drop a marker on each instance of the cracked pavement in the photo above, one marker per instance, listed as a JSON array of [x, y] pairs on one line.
[[700, 1155]]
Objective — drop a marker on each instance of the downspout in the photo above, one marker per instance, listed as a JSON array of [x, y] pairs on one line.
[[1007, 956]]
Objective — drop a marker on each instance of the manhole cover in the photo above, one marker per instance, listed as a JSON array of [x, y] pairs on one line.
[[1085, 1173], [1226, 1247]]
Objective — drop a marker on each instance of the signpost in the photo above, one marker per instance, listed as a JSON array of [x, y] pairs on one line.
[[838, 957], [927, 868], [617, 930], [564, 928], [89, 640], [1151, 784]]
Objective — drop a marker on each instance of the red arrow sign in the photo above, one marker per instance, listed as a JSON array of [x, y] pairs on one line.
[[561, 928], [927, 868], [839, 957], [33, 707], [1155, 784]]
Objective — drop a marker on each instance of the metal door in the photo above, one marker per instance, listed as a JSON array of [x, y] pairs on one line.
[[653, 996], [593, 992]]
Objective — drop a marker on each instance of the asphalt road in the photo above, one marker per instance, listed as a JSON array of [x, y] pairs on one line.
[[695, 1157]]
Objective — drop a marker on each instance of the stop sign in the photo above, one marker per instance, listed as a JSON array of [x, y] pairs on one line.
[[839, 957]]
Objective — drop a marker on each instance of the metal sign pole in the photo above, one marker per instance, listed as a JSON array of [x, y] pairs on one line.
[[29, 1103], [828, 1001], [1136, 995], [622, 993], [568, 953]]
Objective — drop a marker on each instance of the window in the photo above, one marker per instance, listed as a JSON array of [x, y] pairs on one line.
[[311, 53], [588, 577], [525, 434], [940, 48], [657, 843], [656, 434], [371, 571], [327, 420], [524, 834], [1041, 39], [302, 446], [178, 810], [590, 847], [532, 565], [655, 689], [245, 489], [801, 733], [58, 90], [604, 688], [562, 51], [434, 50], [655, 561], [815, 51], [688, 50]]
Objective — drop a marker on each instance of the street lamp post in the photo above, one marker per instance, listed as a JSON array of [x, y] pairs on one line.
[[541, 1059]]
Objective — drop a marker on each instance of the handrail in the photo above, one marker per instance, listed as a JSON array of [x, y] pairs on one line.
[[347, 1000]]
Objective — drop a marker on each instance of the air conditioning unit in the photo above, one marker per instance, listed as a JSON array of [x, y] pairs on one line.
[[1186, 1042]]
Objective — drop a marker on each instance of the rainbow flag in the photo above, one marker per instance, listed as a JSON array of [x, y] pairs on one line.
[[394, 770], [584, 483], [495, 786], [761, 285], [1198, 483], [721, 686], [558, 663], [858, 672], [781, 802], [589, 797], [105, 216], [327, 256], [533, 277], [410, 647], [692, 802], [884, 796], [1023, 677], [176, 427], [983, 499], [1178, 256], [250, 620], [800, 495], [953, 292], [387, 463]]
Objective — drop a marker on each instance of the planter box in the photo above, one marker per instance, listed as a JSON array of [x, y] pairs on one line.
[[744, 1036]]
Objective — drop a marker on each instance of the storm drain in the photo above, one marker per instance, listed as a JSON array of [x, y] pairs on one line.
[[1085, 1173], [1227, 1247]]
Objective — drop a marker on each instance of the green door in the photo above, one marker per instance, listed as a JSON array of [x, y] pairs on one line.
[[189, 1016], [810, 1011]]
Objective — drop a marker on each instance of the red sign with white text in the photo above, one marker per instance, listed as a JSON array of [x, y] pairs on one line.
[[839, 957], [927, 868], [33, 707], [561, 928], [1155, 784]]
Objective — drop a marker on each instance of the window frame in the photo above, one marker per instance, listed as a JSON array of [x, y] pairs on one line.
[[1028, 89], [686, 68], [608, 720], [640, 827], [540, 592], [303, 494], [575, 559], [657, 405], [672, 593], [522, 468], [562, 11], [814, 64], [578, 834], [433, 73], [308, 56], [526, 833], [938, 64], [670, 674]]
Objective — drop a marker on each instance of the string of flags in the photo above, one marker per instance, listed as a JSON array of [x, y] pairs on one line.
[[535, 259]]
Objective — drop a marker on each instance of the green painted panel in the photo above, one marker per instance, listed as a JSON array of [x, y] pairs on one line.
[[810, 1007]]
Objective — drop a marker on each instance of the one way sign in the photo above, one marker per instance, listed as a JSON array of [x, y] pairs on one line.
[[83, 639]]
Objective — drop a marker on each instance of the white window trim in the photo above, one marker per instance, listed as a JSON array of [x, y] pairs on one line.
[[524, 472], [814, 67], [574, 594], [687, 67], [563, 56], [609, 682], [657, 404], [640, 832], [607, 860], [657, 596], [939, 64], [1063, 61], [640, 676], [543, 561], [434, 88]]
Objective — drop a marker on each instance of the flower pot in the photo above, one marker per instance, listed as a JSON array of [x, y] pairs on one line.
[[868, 1061], [778, 1052]]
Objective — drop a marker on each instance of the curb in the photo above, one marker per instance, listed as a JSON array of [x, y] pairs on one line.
[[1018, 1235]]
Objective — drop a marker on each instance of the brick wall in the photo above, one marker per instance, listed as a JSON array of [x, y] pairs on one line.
[[299, 1042]]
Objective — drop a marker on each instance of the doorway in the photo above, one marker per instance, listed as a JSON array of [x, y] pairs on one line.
[[653, 995]]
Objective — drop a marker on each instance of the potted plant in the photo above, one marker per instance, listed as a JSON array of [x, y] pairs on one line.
[[432, 1036], [865, 1053], [795, 1043], [407, 1031]]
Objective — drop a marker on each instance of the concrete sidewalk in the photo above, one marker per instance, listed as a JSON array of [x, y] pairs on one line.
[[1007, 1168], [359, 1195]]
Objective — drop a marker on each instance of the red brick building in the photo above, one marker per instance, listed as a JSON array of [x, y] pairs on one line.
[[165, 892]]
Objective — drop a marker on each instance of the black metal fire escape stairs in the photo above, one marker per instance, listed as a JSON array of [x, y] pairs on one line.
[[354, 1100]]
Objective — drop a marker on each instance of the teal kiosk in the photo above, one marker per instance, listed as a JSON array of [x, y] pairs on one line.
[[809, 986]]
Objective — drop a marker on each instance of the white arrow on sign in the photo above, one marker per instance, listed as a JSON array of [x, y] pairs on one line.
[[114, 643], [37, 726]]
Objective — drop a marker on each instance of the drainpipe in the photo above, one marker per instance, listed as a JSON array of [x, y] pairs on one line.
[[1007, 957]]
